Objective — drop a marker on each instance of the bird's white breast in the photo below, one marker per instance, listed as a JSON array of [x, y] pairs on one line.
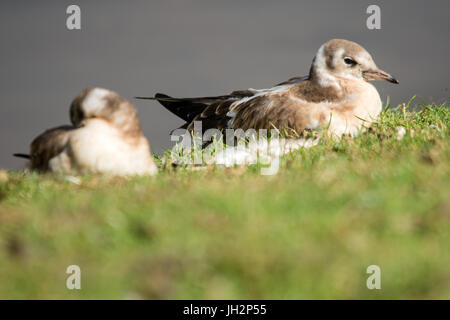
[[368, 102], [359, 109], [100, 147]]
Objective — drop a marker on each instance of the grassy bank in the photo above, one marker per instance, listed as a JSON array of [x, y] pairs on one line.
[[308, 232]]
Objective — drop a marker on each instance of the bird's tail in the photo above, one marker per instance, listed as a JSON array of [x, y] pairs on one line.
[[188, 108], [22, 155], [185, 108]]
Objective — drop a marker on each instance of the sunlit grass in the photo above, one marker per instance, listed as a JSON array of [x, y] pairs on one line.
[[308, 232]]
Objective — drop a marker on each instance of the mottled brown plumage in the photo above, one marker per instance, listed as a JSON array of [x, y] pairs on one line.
[[336, 93], [47, 146], [105, 137]]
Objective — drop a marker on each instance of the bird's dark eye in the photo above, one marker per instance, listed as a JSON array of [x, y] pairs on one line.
[[350, 62]]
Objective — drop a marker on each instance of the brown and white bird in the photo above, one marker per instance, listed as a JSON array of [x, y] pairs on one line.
[[336, 94], [105, 137]]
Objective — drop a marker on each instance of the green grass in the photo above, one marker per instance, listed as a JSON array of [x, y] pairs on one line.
[[308, 232]]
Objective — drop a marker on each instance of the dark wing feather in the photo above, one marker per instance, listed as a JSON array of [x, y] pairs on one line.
[[210, 110], [182, 108], [48, 145], [22, 155], [214, 116]]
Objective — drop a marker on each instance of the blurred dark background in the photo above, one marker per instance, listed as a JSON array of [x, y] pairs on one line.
[[191, 48]]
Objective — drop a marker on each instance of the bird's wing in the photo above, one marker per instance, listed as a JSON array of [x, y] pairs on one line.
[[269, 110], [293, 80], [242, 107], [188, 108], [48, 145], [210, 110], [264, 109]]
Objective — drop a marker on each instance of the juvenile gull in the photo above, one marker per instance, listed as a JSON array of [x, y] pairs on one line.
[[105, 137], [336, 95]]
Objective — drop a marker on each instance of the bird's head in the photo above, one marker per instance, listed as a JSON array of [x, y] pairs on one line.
[[345, 59], [98, 103]]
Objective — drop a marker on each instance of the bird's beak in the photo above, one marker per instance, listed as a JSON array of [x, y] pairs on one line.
[[378, 74]]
